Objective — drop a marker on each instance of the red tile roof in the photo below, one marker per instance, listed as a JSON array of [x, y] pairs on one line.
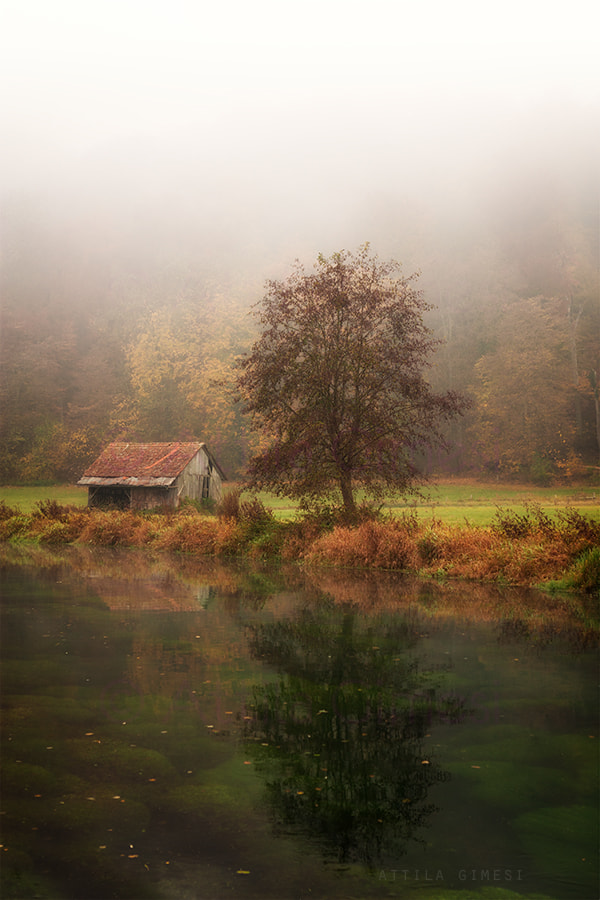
[[124, 460]]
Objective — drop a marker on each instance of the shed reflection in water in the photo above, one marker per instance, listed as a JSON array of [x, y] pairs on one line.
[[394, 726]]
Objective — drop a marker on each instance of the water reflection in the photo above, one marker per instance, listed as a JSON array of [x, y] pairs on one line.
[[339, 737], [130, 770]]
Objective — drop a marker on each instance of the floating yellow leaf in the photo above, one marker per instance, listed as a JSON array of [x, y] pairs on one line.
[[243, 872]]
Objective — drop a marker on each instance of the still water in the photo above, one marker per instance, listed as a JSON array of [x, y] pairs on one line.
[[184, 730]]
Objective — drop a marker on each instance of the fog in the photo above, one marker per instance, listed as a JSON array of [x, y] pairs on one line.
[[272, 130]]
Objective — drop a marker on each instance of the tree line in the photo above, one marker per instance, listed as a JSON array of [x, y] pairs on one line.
[[106, 341]]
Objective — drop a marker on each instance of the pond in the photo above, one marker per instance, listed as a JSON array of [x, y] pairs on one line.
[[181, 729]]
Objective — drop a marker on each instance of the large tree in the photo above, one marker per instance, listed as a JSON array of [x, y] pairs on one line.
[[335, 383]]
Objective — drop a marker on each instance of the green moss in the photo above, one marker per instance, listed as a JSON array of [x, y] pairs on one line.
[[563, 842], [118, 759], [20, 882], [97, 812], [22, 675], [20, 778], [202, 798], [512, 787]]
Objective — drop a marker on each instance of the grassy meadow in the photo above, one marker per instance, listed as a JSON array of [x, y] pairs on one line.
[[459, 502], [451, 501], [27, 496]]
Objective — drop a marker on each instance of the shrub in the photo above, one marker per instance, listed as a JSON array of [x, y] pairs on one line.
[[300, 534], [58, 533], [190, 534], [110, 528], [573, 525], [320, 516], [14, 527], [372, 544], [428, 545], [409, 521], [511, 524], [51, 509], [585, 574], [8, 512], [229, 506], [255, 518], [394, 548], [206, 506], [229, 539], [268, 543]]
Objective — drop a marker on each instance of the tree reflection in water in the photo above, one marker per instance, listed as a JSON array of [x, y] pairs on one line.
[[339, 737]]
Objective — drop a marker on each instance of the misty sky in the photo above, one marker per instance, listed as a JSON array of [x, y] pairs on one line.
[[290, 106]]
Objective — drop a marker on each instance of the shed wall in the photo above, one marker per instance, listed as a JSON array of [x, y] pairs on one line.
[[200, 480]]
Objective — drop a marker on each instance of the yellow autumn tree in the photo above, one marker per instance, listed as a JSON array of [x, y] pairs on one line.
[[180, 374], [524, 420]]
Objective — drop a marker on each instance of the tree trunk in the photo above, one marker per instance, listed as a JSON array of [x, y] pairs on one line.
[[573, 324], [347, 494]]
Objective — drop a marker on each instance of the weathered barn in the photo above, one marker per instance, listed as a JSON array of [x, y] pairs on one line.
[[144, 476]]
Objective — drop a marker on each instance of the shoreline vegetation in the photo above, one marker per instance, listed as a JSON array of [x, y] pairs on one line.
[[555, 549]]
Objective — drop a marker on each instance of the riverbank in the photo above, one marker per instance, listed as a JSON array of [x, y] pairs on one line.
[[528, 548]]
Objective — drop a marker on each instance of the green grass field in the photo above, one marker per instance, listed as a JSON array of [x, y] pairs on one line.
[[451, 501], [454, 502], [26, 497]]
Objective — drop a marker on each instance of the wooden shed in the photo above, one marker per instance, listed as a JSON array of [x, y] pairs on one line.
[[144, 476]]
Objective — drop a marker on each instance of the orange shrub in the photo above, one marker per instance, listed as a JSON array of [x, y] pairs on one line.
[[190, 534], [372, 544], [112, 528]]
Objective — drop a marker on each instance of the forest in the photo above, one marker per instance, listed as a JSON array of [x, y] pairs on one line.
[[127, 327]]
